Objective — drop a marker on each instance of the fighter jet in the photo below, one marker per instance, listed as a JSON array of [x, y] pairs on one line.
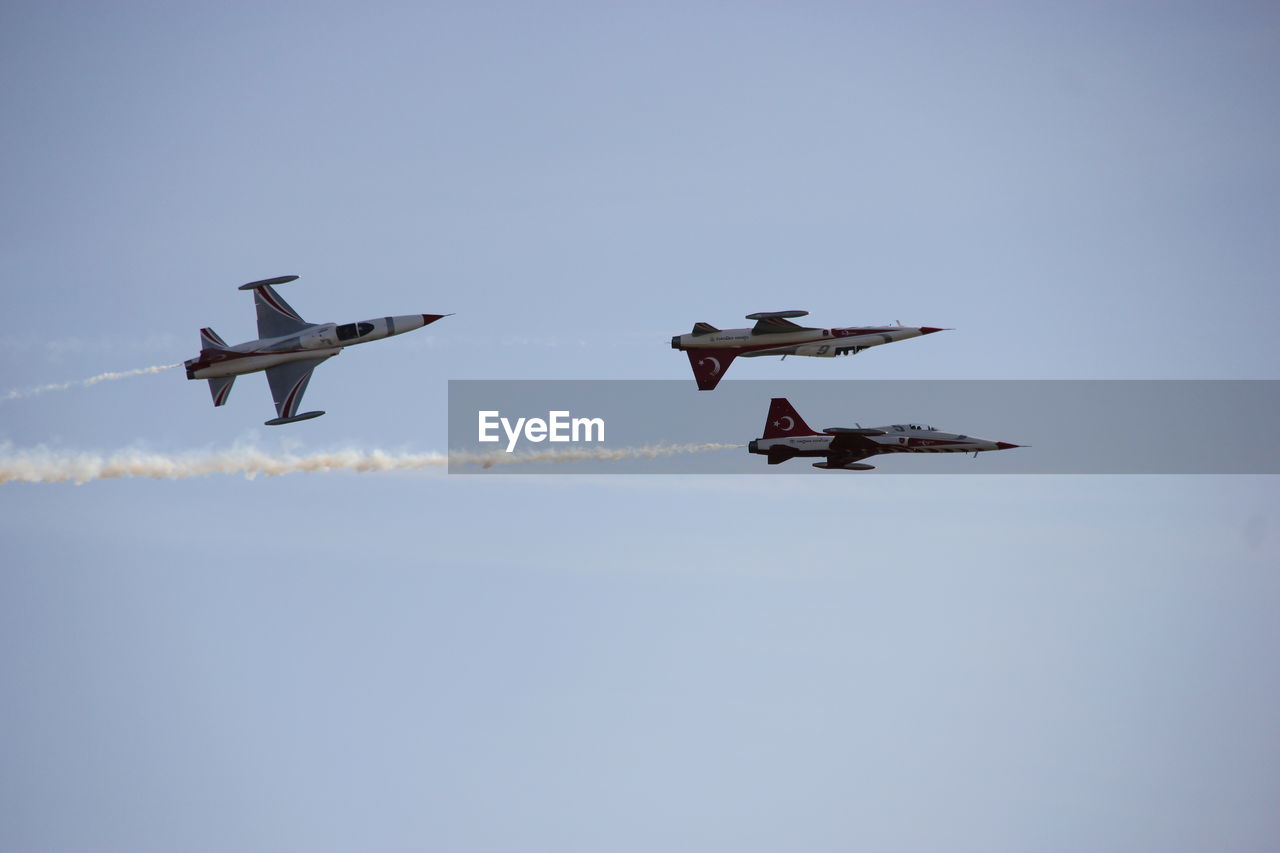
[[787, 436], [712, 350], [288, 349]]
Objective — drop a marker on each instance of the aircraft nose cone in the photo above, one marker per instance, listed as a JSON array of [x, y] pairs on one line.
[[929, 330], [428, 319], [1004, 445]]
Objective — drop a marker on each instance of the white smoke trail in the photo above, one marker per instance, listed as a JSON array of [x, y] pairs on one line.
[[586, 454], [85, 383], [40, 465]]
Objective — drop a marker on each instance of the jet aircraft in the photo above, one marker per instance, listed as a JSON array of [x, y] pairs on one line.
[[711, 350], [288, 349], [787, 436]]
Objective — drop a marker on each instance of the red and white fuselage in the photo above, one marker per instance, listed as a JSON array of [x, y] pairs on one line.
[[816, 343], [288, 349], [322, 340], [710, 350], [787, 436]]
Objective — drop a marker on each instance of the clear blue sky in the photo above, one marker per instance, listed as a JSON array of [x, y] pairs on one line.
[[418, 661]]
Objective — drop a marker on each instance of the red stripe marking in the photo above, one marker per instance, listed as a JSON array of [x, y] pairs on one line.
[[269, 297], [289, 402]]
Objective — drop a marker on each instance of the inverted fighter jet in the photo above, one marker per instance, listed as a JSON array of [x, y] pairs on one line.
[[711, 350], [787, 436], [288, 349]]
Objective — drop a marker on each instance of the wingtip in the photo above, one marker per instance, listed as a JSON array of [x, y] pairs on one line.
[[305, 416], [281, 279]]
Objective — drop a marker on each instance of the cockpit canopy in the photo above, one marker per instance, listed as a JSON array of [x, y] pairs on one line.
[[920, 427], [351, 331]]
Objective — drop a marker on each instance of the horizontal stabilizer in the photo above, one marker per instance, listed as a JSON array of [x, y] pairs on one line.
[[778, 455], [704, 328], [305, 416], [209, 339], [220, 388]]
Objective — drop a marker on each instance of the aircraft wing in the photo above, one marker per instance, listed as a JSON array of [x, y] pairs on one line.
[[833, 349], [838, 459], [769, 325], [773, 322], [276, 318], [288, 384], [852, 443], [786, 349]]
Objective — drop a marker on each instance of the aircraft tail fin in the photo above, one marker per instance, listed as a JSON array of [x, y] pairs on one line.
[[704, 328], [784, 420], [220, 388], [709, 365], [209, 339]]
